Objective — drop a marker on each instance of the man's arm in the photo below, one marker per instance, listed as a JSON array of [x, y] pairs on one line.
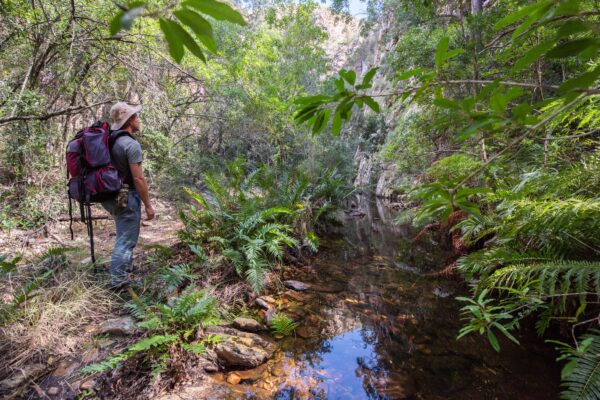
[[139, 181]]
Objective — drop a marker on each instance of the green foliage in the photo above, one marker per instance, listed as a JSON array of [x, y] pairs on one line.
[[168, 324], [483, 317], [581, 372], [282, 325], [174, 31], [316, 111], [47, 264], [250, 219], [453, 168]]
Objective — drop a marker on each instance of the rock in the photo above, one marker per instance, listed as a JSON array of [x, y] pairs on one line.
[[90, 356], [253, 374], [208, 364], [296, 285], [65, 368], [307, 332], [269, 314], [22, 375], [241, 349], [86, 261], [248, 324], [53, 391], [86, 385], [233, 378], [265, 302], [295, 296], [117, 326]]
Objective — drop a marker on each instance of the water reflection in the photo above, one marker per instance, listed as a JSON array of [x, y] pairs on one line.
[[378, 327]]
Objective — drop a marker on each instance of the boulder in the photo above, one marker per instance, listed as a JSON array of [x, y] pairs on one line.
[[241, 349], [248, 325], [117, 326], [296, 285], [23, 375]]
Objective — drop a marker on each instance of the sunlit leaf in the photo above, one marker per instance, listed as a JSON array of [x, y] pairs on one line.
[[217, 10], [199, 25]]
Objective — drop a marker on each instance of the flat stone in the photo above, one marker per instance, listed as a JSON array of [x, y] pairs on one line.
[[22, 375], [248, 324], [253, 374], [117, 326], [53, 391], [296, 285], [265, 302]]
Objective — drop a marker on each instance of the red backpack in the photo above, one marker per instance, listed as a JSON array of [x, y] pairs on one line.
[[92, 176]]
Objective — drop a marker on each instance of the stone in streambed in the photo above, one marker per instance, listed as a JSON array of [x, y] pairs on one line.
[[296, 285], [265, 302], [241, 349], [233, 378], [247, 324]]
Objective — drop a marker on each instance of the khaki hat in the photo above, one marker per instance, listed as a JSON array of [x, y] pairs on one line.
[[120, 113]]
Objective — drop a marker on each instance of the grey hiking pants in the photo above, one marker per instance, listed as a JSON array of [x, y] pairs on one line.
[[127, 221]]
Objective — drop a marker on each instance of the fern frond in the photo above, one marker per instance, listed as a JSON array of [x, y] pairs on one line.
[[583, 383], [551, 278], [282, 324]]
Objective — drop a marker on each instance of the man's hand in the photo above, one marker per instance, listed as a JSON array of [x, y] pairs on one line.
[[150, 214]]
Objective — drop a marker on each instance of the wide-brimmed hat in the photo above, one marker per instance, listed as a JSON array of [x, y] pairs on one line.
[[120, 113]]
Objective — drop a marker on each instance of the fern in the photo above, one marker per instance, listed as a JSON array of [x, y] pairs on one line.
[[283, 325], [6, 265], [582, 382], [549, 278]]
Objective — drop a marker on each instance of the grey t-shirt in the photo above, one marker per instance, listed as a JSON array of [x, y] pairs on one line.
[[126, 150]]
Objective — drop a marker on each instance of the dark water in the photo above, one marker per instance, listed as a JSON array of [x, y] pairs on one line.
[[379, 327]]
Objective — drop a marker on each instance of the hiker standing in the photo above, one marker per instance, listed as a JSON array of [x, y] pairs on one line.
[[126, 154]]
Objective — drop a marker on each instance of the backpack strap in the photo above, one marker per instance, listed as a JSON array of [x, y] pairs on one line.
[[114, 135]]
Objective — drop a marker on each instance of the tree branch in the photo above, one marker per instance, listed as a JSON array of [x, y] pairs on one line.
[[43, 117]]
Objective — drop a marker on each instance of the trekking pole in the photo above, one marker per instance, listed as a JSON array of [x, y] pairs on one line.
[[90, 225]]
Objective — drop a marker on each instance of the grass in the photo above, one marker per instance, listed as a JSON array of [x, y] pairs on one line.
[[51, 321]]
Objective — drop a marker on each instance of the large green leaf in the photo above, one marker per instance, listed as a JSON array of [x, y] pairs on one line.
[[199, 25], [188, 41], [175, 45], [217, 10], [440, 51], [520, 14], [573, 48]]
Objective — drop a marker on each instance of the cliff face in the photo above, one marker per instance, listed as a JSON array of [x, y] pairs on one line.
[[350, 50]]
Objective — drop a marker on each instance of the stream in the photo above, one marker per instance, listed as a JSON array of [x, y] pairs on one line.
[[376, 326]]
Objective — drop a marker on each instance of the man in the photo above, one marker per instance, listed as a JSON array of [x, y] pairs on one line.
[[126, 154]]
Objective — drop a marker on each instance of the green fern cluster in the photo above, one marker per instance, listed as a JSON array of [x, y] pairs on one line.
[[541, 257], [173, 323], [251, 218]]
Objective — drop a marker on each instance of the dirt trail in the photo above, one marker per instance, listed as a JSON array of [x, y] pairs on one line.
[[33, 242]]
